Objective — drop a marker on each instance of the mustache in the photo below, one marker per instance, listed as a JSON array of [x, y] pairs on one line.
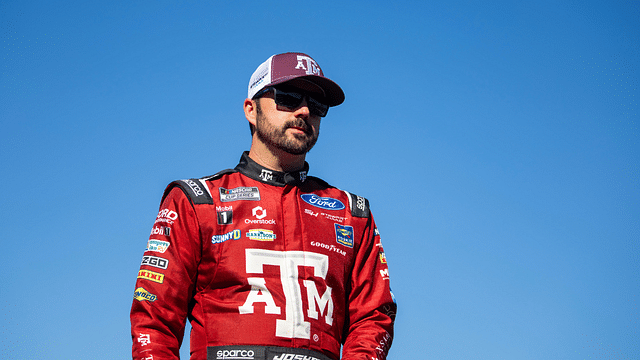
[[298, 123]]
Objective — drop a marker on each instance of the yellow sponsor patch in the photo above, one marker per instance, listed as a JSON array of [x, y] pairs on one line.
[[151, 275], [383, 257], [141, 294]]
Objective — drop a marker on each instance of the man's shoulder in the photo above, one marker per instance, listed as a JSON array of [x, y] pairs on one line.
[[196, 189], [359, 205]]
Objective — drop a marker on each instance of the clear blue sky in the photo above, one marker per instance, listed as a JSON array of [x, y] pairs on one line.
[[496, 141]]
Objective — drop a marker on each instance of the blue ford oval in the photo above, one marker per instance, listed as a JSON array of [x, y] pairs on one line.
[[326, 203]]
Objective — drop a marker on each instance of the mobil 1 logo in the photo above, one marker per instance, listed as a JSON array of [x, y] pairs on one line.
[[225, 215], [155, 262]]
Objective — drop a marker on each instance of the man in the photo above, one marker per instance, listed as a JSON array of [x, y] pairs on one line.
[[265, 261]]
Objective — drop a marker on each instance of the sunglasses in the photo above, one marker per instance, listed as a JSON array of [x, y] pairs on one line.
[[292, 99]]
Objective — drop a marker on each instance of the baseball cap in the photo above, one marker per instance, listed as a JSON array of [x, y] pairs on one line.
[[295, 68]]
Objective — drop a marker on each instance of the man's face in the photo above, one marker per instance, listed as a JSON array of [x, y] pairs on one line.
[[293, 131]]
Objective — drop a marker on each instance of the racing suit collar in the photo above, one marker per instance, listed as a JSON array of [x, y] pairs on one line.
[[255, 171]]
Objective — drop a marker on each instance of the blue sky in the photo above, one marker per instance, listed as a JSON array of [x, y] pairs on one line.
[[497, 143]]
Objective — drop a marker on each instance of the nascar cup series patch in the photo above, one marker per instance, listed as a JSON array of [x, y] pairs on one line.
[[344, 235]]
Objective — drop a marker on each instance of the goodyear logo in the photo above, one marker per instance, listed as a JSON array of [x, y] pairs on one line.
[[344, 235], [141, 294], [151, 275]]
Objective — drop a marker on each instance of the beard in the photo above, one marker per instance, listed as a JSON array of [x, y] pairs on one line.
[[298, 145]]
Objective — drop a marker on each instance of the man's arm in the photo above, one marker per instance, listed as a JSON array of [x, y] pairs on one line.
[[166, 280], [372, 307]]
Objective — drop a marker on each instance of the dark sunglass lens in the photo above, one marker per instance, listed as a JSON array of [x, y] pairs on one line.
[[288, 99], [317, 107]]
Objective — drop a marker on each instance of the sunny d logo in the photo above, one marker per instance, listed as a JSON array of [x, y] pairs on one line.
[[326, 203]]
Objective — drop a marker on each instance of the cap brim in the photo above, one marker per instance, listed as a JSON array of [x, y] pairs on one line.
[[332, 91]]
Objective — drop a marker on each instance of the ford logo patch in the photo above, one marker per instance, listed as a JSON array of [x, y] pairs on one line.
[[326, 203]]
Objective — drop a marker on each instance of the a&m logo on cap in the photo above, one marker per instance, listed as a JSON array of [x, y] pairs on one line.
[[308, 65]]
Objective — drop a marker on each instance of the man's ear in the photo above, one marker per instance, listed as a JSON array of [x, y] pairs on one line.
[[250, 111]]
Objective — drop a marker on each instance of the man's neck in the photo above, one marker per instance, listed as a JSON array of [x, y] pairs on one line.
[[276, 159]]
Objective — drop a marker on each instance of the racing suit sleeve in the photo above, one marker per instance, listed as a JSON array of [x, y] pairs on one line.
[[371, 305], [166, 280]]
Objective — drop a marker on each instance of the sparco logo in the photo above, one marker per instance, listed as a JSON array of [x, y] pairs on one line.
[[235, 354], [294, 357], [194, 186], [360, 203]]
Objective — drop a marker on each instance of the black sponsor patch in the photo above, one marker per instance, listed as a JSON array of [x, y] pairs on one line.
[[155, 261], [225, 217]]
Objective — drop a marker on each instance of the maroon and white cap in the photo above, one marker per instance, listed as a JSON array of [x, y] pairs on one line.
[[300, 67]]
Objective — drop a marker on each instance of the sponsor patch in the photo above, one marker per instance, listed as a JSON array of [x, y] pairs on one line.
[[141, 294], [266, 175], [235, 354], [385, 274], [154, 261], [261, 235], [326, 203], [144, 339], [329, 247], [239, 193], [231, 235], [344, 235], [166, 216], [157, 245], [383, 257], [225, 215], [151, 275], [194, 186], [161, 230], [327, 216], [259, 213]]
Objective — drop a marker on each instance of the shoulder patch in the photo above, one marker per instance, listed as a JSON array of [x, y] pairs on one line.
[[359, 205], [196, 189]]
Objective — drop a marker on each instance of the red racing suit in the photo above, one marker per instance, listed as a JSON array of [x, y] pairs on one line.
[[253, 256]]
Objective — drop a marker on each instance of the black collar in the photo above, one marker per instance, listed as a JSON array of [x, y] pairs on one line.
[[255, 171]]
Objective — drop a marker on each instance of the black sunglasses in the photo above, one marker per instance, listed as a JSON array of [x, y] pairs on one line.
[[292, 99]]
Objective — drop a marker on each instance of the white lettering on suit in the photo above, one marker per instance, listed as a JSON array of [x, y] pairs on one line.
[[293, 325]]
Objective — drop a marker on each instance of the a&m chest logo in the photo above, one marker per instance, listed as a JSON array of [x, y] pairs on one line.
[[344, 235]]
